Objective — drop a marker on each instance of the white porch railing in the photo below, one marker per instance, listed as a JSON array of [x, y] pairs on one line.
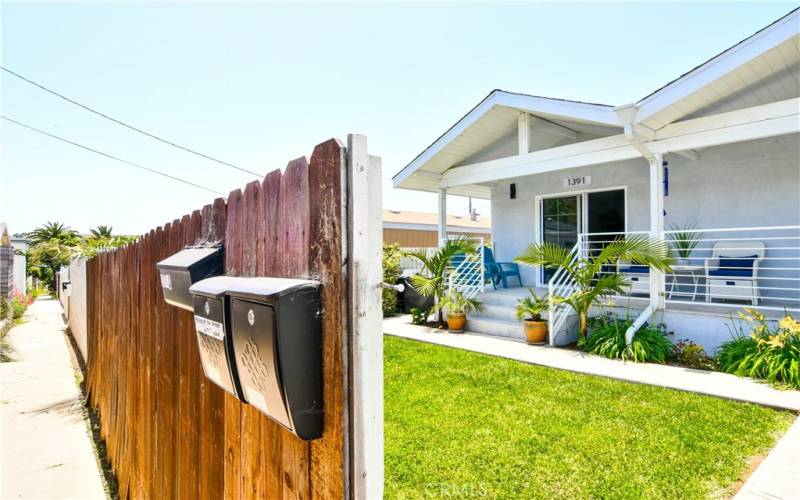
[[561, 284], [725, 268], [467, 276]]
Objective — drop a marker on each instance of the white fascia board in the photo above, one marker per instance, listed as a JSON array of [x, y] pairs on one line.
[[432, 227], [758, 122], [719, 66], [614, 148], [456, 130], [596, 113]]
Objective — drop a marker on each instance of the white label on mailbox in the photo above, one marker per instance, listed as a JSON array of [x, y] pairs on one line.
[[209, 327], [166, 281]]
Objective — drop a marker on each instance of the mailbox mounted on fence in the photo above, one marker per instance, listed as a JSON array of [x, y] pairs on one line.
[[212, 324], [185, 268], [276, 337]]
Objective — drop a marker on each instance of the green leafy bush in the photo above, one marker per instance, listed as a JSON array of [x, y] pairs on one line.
[[3, 308], [607, 338], [769, 352], [391, 273], [692, 355], [418, 316]]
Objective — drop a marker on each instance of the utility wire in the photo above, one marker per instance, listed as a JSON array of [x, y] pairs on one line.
[[126, 162], [131, 127]]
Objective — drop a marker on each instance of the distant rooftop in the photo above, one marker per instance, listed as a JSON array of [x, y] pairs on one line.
[[483, 223]]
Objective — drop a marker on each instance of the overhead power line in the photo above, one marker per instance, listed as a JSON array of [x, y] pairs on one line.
[[126, 162], [131, 127]]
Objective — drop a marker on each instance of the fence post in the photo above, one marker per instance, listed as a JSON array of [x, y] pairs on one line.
[[365, 275]]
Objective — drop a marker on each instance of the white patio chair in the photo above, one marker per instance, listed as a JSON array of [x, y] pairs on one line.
[[638, 276], [732, 270]]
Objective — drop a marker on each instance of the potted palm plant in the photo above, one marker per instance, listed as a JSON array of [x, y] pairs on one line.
[[457, 307], [529, 310], [684, 240], [590, 275], [432, 280]]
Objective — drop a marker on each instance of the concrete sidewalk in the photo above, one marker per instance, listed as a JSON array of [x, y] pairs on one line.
[[778, 476], [46, 448], [717, 384]]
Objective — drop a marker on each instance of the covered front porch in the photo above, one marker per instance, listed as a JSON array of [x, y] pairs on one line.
[[709, 163]]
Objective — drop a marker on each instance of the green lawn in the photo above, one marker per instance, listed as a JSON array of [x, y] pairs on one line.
[[461, 424]]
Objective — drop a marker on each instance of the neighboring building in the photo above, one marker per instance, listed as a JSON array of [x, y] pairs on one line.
[[6, 263], [718, 147], [420, 229], [21, 246]]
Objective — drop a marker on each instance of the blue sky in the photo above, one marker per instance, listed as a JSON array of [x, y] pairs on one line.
[[257, 84]]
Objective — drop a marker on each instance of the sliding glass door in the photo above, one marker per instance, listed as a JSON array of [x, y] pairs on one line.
[[560, 223]]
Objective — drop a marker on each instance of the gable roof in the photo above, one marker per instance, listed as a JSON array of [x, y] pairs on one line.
[[720, 84]]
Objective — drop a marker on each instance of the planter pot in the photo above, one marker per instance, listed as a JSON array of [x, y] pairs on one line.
[[456, 322], [682, 262], [535, 331]]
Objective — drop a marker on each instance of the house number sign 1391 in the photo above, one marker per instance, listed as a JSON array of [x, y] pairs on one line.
[[583, 180]]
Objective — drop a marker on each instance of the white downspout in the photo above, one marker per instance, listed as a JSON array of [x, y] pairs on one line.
[[627, 115]]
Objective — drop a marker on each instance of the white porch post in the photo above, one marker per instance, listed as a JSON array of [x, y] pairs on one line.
[[657, 281], [442, 215], [523, 134]]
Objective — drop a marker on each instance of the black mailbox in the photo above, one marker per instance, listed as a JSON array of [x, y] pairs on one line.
[[276, 329], [185, 268], [212, 323]]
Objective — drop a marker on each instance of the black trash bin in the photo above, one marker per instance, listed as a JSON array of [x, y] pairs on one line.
[[410, 298]]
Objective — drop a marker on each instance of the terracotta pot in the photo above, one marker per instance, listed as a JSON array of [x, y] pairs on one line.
[[456, 322], [535, 331]]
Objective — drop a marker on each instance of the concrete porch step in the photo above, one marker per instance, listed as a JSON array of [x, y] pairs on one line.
[[500, 328], [500, 312]]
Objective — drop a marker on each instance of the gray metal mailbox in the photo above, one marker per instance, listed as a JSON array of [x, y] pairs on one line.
[[180, 271], [212, 324], [276, 333]]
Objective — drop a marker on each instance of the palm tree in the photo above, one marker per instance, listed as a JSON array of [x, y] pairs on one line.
[[53, 231], [591, 277], [434, 267], [101, 232]]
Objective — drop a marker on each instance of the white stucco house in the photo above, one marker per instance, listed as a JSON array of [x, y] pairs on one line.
[[717, 149]]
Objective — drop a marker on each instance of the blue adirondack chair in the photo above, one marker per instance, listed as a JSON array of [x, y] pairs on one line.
[[499, 271]]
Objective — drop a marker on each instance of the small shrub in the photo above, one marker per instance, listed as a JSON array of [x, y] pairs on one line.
[[692, 355], [418, 316], [607, 338], [18, 306], [4, 310], [770, 352], [391, 273]]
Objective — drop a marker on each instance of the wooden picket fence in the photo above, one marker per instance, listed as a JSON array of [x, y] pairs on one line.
[[170, 432]]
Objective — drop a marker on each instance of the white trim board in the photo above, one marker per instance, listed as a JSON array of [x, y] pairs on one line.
[[758, 122]]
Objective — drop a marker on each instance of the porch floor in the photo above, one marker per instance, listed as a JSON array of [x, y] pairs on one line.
[[704, 382]]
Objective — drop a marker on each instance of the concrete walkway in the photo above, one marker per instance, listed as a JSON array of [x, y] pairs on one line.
[[46, 449], [778, 476], [712, 383]]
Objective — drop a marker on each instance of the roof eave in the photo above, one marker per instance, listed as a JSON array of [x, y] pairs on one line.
[[719, 65], [589, 112]]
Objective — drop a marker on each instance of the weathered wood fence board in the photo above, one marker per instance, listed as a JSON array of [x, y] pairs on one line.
[[170, 432]]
